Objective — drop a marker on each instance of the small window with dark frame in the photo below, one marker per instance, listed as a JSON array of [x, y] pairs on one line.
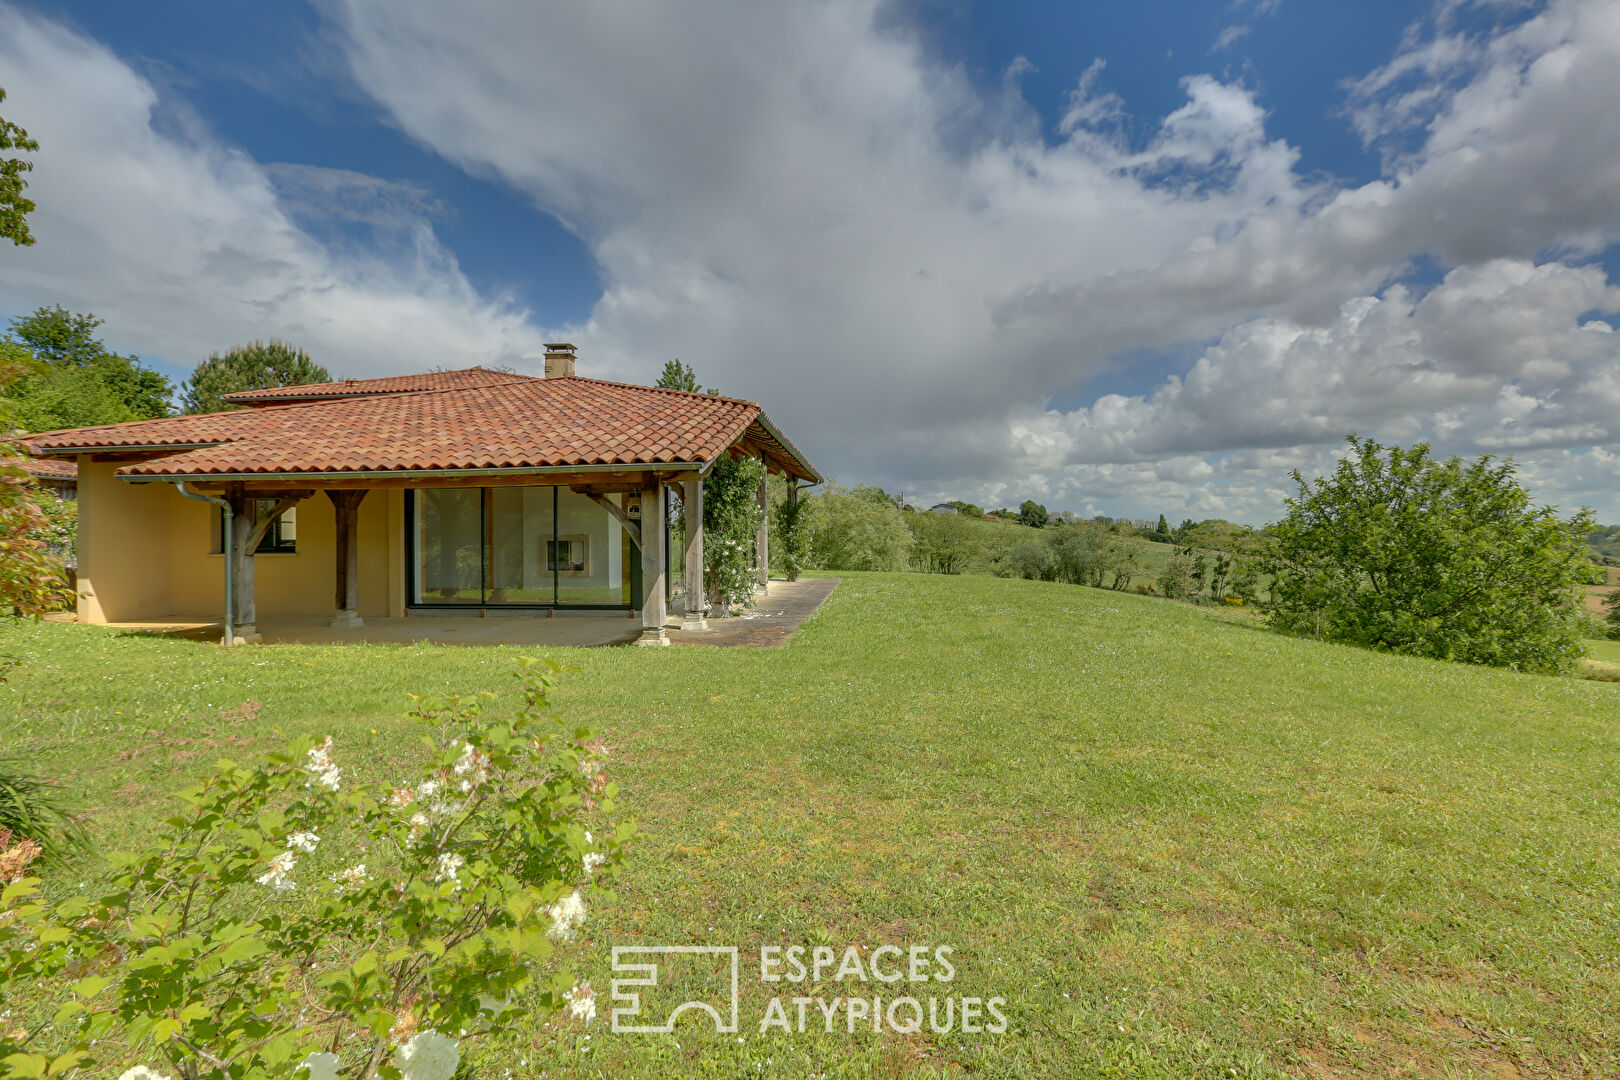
[[280, 539], [569, 556]]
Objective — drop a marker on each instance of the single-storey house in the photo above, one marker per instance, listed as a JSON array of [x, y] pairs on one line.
[[472, 491]]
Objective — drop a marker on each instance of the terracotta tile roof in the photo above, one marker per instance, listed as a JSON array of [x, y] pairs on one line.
[[392, 384], [528, 423], [50, 468]]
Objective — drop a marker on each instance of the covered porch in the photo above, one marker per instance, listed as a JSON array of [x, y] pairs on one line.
[[775, 619], [583, 556]]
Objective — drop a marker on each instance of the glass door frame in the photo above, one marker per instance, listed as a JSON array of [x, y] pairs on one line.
[[413, 570]]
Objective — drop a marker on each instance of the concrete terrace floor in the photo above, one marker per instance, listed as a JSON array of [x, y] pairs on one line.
[[776, 615]]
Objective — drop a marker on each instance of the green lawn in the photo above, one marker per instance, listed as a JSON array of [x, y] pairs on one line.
[[1607, 652], [1176, 844]]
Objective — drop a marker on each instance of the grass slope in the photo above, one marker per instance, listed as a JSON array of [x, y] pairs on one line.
[[1177, 845]]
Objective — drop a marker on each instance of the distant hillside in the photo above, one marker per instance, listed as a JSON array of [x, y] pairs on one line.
[[1604, 543]]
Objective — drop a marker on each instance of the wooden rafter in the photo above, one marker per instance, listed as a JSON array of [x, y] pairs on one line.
[[630, 525]]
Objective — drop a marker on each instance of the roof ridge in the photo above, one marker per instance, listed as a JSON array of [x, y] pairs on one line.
[[182, 417], [501, 377], [667, 390]]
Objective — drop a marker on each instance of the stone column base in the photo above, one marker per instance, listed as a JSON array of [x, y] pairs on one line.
[[347, 618], [246, 635], [654, 635], [694, 620]]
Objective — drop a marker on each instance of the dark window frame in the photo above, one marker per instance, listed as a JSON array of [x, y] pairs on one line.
[[413, 583], [274, 542]]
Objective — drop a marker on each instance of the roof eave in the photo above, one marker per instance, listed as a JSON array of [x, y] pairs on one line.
[[792, 451], [395, 474]]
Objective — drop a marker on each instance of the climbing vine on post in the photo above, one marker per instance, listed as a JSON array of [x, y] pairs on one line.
[[792, 542], [731, 515]]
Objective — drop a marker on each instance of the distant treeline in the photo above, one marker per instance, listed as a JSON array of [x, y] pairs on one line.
[[866, 528], [1604, 543]]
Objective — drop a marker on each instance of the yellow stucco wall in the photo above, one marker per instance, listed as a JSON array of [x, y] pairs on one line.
[[302, 583], [146, 552], [124, 556]]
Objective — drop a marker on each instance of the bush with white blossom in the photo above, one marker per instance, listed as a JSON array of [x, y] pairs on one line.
[[291, 923], [731, 517]]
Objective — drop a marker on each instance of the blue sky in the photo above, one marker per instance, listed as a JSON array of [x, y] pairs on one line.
[[1117, 257], [264, 78]]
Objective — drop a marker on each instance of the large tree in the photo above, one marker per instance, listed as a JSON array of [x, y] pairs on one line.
[[258, 365], [1033, 514], [678, 376], [1445, 559], [31, 580], [14, 206], [74, 379]]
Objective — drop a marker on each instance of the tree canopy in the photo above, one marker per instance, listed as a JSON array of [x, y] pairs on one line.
[[258, 365], [1444, 559], [31, 580], [14, 206], [1033, 514], [68, 377], [678, 376]]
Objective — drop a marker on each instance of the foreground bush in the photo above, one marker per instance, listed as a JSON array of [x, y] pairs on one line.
[[37, 810], [289, 920], [1434, 558]]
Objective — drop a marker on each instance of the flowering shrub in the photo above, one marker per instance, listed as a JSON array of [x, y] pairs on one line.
[[731, 516], [292, 923], [791, 543], [61, 530]]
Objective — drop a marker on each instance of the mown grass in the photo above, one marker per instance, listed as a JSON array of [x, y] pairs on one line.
[[1176, 844]]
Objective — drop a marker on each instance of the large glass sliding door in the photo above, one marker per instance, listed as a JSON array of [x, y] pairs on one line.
[[517, 547], [519, 520], [449, 543]]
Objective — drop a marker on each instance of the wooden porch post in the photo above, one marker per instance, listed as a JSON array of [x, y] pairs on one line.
[[243, 513], [692, 504], [652, 566], [346, 507], [249, 527], [762, 539], [793, 500]]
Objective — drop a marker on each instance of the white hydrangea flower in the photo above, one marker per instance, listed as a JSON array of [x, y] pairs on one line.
[[354, 875], [428, 1056], [304, 840], [321, 767], [321, 1066], [567, 915], [592, 860], [473, 764], [419, 826], [279, 876], [141, 1072], [427, 788], [449, 863], [582, 1002]]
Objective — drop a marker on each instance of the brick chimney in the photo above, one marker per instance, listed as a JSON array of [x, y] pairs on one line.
[[559, 360]]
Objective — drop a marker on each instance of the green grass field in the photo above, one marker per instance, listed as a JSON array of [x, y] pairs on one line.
[[1607, 652], [1177, 845]]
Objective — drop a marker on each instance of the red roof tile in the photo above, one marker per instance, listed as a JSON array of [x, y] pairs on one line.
[[524, 424], [50, 468], [392, 384]]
